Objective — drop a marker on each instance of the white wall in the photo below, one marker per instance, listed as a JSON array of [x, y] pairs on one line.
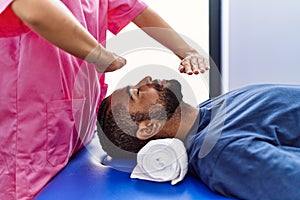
[[261, 41], [146, 57]]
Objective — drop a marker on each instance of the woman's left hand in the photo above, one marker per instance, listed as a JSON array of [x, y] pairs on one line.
[[194, 63]]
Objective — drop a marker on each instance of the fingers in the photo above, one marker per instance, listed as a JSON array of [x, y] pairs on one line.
[[203, 64], [186, 67], [194, 64], [118, 63]]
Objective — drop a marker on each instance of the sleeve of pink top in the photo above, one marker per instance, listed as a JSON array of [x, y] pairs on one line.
[[4, 4], [122, 12]]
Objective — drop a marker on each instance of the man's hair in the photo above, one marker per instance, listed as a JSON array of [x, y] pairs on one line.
[[117, 130], [117, 127]]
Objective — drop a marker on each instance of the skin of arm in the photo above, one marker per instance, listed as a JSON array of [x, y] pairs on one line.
[[152, 24], [52, 20]]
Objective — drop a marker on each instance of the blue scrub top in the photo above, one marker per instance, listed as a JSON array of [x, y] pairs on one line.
[[246, 143]]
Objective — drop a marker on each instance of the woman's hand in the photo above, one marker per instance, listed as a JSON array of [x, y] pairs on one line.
[[194, 63], [117, 63], [104, 60]]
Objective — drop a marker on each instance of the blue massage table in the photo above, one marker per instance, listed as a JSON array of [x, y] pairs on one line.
[[85, 178]]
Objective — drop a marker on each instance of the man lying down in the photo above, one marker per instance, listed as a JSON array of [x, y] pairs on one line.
[[243, 144]]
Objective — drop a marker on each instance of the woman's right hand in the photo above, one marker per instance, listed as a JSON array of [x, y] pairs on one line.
[[104, 60], [114, 63]]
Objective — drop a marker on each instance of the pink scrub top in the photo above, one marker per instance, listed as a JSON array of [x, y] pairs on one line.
[[48, 98]]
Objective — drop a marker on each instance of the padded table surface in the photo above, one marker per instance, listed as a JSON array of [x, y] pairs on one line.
[[85, 178]]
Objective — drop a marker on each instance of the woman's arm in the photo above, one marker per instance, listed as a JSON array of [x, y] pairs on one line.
[[157, 28], [52, 20]]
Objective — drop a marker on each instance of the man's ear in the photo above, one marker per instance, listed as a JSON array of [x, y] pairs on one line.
[[148, 128]]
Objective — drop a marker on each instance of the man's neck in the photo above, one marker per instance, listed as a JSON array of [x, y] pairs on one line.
[[181, 122]]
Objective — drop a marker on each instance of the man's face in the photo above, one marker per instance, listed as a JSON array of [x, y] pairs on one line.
[[142, 97]]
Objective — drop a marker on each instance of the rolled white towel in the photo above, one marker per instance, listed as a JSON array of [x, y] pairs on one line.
[[162, 160]]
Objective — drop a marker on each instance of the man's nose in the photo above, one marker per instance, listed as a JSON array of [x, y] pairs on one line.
[[145, 81], [148, 79]]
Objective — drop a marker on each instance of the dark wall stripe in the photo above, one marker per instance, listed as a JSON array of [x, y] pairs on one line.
[[215, 88]]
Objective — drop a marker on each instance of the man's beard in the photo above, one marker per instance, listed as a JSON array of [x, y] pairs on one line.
[[170, 97]]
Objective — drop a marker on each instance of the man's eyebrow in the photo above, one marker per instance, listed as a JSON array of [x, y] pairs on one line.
[[128, 92]]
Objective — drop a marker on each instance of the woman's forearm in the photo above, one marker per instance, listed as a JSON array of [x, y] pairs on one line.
[[52, 20], [191, 61], [161, 31]]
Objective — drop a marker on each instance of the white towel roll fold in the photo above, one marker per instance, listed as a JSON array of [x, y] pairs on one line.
[[162, 160]]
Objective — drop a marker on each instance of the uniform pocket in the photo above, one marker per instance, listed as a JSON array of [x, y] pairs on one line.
[[63, 117]]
